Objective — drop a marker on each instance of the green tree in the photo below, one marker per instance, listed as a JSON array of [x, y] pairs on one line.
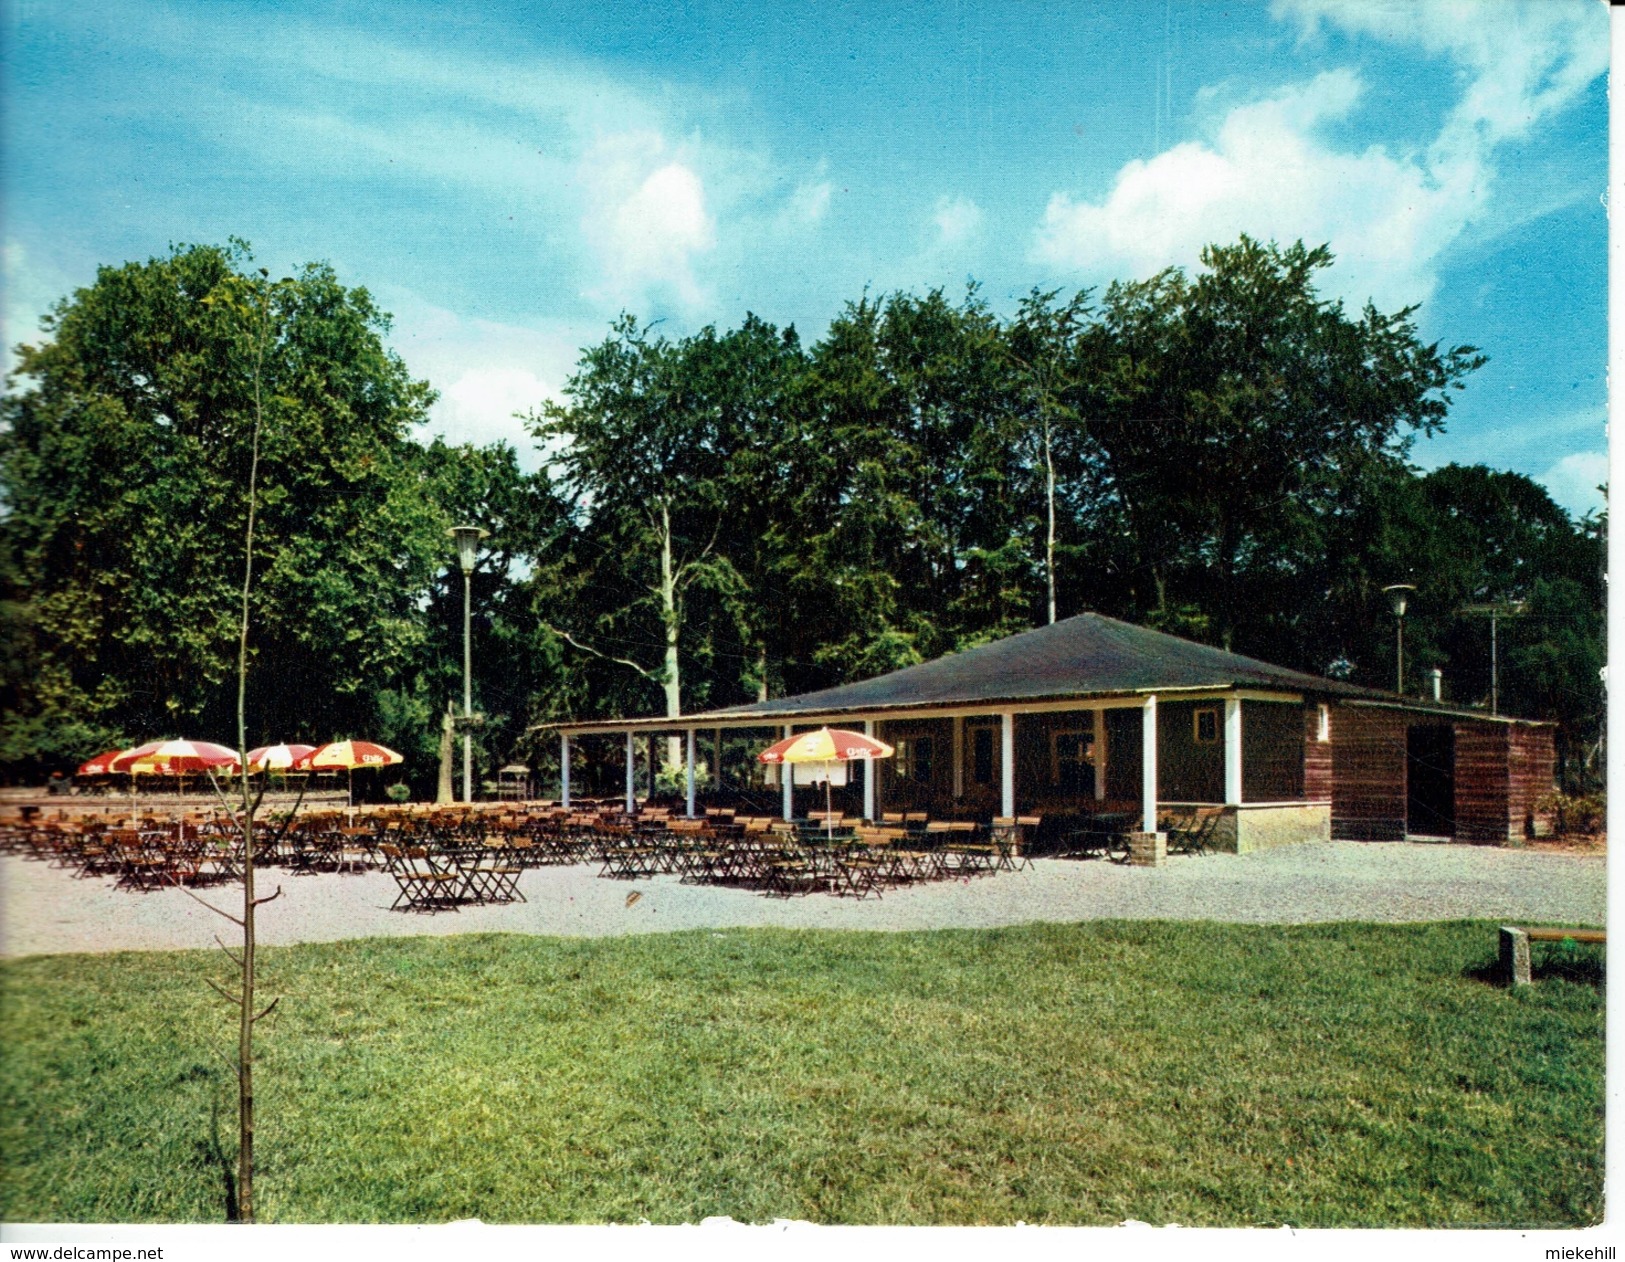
[[1240, 404], [127, 440], [636, 448]]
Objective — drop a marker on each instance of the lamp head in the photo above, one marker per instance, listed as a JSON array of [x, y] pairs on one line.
[[1398, 595], [468, 543]]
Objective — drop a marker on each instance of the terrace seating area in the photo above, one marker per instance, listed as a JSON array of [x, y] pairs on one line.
[[445, 858]]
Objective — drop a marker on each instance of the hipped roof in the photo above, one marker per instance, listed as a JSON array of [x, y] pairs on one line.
[[1083, 657]]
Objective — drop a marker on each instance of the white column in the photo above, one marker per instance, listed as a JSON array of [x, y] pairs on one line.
[[564, 769], [871, 772], [1007, 768], [959, 756], [688, 768], [1100, 755], [787, 781], [1148, 764], [1232, 751], [631, 774]]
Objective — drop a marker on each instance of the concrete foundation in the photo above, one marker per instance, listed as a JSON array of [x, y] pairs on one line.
[[1265, 825]]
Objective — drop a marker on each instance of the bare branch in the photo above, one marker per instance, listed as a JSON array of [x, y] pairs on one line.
[[225, 803], [652, 676], [689, 569], [234, 1000], [260, 902], [268, 1009], [234, 920], [230, 954], [287, 821]]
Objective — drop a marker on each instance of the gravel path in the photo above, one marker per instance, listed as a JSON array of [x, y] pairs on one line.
[[49, 910]]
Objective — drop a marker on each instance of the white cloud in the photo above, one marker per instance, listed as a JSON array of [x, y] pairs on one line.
[[807, 206], [617, 182], [1526, 61], [957, 220], [645, 216], [480, 407], [486, 372], [1269, 169], [1573, 481], [1268, 173]]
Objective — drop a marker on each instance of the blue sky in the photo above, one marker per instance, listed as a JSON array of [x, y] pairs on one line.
[[507, 178]]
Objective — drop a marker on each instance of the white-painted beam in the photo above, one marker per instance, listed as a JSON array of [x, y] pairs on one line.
[[1007, 761], [631, 774], [871, 773], [564, 769], [688, 770], [1148, 764], [1232, 751], [787, 780]]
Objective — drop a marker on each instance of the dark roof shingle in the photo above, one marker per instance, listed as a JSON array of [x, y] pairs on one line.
[[1083, 656]]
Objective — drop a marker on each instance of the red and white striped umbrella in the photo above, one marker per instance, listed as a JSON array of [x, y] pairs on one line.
[[175, 758], [277, 757], [348, 755], [100, 765]]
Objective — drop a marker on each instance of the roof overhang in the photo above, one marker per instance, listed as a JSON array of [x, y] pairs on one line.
[[890, 714], [1440, 711]]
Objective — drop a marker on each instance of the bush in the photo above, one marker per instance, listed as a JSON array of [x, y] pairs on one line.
[[1574, 814], [398, 793]]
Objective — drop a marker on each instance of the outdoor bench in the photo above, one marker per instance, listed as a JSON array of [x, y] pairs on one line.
[[1515, 940]]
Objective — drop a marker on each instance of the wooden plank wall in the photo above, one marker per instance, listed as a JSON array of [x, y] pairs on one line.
[[1481, 782], [1368, 774], [1317, 757], [1532, 773]]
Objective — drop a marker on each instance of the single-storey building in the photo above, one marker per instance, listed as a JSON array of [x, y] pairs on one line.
[[1091, 711]]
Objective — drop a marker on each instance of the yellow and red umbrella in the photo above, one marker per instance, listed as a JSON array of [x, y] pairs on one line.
[[348, 756], [826, 745]]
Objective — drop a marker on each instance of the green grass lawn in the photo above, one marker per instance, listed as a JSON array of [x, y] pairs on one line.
[[1334, 1075]]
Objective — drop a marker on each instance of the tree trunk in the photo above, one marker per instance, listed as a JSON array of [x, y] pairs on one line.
[[443, 793], [669, 612], [1049, 495]]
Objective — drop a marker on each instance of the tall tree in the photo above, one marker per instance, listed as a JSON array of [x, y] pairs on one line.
[[1240, 400], [127, 439], [637, 450]]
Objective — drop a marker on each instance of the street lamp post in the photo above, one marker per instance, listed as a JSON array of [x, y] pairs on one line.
[[468, 543], [1398, 595], [1495, 610]]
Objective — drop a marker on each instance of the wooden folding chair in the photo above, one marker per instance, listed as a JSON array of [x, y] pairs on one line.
[[491, 880], [424, 885]]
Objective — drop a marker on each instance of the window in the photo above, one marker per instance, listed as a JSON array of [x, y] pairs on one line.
[[1071, 753], [1323, 729], [1205, 724], [981, 755], [912, 761]]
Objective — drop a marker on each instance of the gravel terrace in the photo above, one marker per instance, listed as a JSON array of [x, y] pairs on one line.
[[50, 910]]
